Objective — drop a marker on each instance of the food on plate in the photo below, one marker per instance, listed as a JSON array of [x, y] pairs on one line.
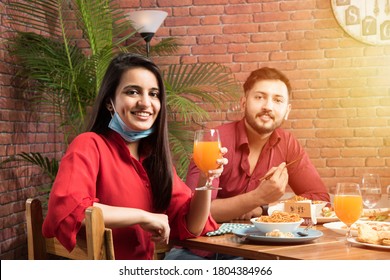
[[386, 242], [378, 214], [283, 221], [379, 235], [367, 234], [298, 198], [278, 233], [328, 212], [280, 217]]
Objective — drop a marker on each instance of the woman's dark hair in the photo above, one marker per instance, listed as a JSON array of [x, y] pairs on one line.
[[266, 73], [158, 164]]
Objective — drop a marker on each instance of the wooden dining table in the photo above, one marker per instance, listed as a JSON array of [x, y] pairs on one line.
[[330, 246]]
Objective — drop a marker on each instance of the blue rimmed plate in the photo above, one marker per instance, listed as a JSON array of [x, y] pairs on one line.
[[254, 234]]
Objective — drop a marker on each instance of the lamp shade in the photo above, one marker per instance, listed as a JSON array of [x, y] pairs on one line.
[[147, 21]]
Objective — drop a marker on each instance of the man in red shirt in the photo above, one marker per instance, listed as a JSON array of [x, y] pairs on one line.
[[258, 146]]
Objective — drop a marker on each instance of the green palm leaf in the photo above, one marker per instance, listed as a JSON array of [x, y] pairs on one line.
[[47, 165]]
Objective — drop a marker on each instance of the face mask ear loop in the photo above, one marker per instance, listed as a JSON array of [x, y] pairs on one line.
[[112, 104]]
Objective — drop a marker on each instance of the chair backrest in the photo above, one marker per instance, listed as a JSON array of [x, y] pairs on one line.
[[97, 245]]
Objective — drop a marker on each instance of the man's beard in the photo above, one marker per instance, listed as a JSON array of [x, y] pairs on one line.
[[263, 128]]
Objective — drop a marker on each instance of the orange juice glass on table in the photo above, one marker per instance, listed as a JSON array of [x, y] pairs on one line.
[[206, 152], [348, 204], [349, 208]]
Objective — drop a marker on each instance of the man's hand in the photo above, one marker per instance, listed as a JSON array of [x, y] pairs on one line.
[[272, 189]]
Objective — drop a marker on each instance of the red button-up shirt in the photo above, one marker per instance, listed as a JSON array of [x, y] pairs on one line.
[[282, 146], [101, 168]]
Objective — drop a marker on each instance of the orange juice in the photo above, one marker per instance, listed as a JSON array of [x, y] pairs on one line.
[[206, 154], [348, 208]]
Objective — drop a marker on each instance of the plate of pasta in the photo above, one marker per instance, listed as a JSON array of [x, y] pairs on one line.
[[280, 220], [253, 234]]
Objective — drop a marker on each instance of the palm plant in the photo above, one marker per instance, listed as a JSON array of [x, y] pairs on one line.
[[66, 76]]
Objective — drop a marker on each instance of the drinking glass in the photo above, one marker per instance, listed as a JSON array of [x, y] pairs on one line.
[[206, 153], [371, 190], [348, 204]]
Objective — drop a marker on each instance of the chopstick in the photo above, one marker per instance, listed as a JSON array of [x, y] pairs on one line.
[[267, 177]]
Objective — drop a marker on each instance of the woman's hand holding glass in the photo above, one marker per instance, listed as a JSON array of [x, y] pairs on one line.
[[208, 155], [215, 173], [208, 177]]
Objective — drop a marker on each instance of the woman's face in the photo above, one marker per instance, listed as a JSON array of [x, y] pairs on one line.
[[137, 98]]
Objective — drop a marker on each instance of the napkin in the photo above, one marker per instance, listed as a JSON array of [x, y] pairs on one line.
[[227, 228]]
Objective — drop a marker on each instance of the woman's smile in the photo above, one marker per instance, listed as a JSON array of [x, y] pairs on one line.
[[137, 99]]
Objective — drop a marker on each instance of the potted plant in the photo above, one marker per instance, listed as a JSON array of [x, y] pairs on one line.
[[66, 70]]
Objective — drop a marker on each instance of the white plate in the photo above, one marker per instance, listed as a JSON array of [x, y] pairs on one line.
[[322, 220], [340, 227], [254, 234], [354, 241]]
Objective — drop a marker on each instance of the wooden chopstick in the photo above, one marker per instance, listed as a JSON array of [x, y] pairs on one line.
[[267, 177]]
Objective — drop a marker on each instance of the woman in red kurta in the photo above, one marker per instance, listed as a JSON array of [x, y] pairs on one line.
[[123, 165]]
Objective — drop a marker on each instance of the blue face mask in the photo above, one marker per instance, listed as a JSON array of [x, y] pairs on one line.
[[127, 133]]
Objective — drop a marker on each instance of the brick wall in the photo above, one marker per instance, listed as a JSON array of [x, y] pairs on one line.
[[341, 97], [22, 129]]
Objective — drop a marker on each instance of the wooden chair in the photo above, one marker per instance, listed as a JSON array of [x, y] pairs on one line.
[[160, 250], [97, 244]]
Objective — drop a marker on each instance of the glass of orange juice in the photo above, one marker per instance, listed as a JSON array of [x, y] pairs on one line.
[[348, 204], [207, 150]]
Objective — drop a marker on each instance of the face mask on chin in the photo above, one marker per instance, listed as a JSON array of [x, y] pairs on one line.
[[128, 134]]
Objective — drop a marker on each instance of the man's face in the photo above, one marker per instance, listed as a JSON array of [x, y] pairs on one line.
[[266, 106]]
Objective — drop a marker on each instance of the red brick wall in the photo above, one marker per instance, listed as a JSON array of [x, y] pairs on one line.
[[22, 129], [341, 97]]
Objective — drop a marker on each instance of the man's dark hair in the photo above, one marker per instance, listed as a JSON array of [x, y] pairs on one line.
[[266, 73]]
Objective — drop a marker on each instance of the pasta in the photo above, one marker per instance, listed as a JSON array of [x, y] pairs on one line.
[[299, 198], [280, 217]]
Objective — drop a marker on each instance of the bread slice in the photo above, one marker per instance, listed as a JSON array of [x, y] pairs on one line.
[[383, 234], [367, 235]]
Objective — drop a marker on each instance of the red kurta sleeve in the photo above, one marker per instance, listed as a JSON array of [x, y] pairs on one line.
[[73, 191], [178, 209]]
